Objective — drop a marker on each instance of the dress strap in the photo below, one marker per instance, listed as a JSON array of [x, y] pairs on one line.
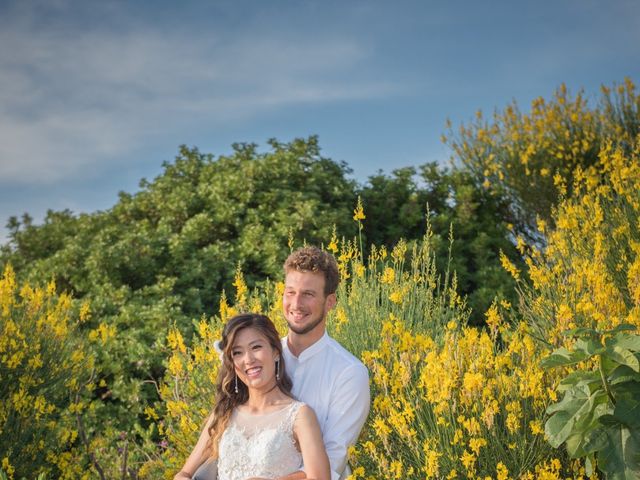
[[292, 414]]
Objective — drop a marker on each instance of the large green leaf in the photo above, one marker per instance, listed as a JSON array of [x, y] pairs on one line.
[[623, 327], [589, 378], [595, 440], [588, 434], [620, 459], [627, 409], [623, 357], [561, 357], [582, 332], [626, 341], [590, 346], [571, 415], [622, 374]]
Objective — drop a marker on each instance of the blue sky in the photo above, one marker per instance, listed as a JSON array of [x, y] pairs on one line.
[[96, 95]]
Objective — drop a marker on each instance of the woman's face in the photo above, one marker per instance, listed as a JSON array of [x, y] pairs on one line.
[[254, 359]]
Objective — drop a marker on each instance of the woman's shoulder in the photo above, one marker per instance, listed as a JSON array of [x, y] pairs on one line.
[[303, 412]]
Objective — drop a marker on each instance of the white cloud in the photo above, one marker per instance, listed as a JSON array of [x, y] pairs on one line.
[[72, 98]]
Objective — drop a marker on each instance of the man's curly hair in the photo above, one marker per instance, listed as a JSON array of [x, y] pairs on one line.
[[313, 259]]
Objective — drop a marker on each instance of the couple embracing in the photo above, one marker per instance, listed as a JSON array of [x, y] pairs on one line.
[[284, 408]]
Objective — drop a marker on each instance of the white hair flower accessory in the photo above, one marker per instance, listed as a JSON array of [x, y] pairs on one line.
[[217, 345]]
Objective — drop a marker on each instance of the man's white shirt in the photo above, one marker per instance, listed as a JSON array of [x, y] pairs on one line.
[[336, 385]]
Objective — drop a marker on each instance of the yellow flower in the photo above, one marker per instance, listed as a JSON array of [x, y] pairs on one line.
[[494, 321], [502, 473], [536, 427], [396, 469], [542, 225], [175, 340], [431, 462], [333, 243], [475, 444], [388, 276], [241, 287], [468, 459], [85, 311], [150, 413], [508, 266], [358, 213], [7, 467], [175, 365], [396, 296]]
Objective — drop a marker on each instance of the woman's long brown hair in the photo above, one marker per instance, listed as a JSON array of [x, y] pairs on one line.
[[226, 397]]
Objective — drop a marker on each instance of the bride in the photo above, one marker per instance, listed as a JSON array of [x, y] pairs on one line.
[[256, 430]]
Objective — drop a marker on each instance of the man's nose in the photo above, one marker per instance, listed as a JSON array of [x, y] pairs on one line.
[[296, 300]]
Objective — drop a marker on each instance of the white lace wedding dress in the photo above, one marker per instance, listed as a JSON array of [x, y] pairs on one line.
[[259, 445]]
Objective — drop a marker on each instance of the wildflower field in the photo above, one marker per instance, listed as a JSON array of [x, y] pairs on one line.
[[547, 386]]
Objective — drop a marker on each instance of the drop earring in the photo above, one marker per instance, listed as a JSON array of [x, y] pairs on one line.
[[236, 389], [278, 370]]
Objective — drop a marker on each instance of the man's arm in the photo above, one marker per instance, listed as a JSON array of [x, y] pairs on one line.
[[350, 402]]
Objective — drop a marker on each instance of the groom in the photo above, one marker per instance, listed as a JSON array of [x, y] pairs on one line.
[[325, 375]]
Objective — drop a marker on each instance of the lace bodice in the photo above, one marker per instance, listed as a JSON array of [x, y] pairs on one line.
[[259, 445]]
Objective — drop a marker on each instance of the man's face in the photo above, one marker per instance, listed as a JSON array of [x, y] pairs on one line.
[[304, 302]]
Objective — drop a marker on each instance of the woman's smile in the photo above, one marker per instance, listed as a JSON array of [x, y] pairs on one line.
[[254, 359]]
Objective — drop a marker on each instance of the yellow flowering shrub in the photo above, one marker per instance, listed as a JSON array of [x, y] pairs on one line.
[[472, 404], [44, 369], [531, 157], [588, 276]]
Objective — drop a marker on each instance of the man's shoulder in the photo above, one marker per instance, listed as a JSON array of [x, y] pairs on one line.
[[342, 357]]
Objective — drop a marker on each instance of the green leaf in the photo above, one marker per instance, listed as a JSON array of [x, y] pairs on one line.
[[623, 357], [620, 458], [623, 327], [609, 420], [588, 465], [561, 357], [623, 373], [574, 445], [626, 341], [595, 440], [589, 378], [568, 416], [627, 409], [588, 433], [582, 332], [590, 346]]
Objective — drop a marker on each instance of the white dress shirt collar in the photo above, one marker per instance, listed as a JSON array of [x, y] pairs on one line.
[[311, 350]]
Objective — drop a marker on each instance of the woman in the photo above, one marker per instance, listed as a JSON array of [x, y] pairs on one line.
[[256, 429]]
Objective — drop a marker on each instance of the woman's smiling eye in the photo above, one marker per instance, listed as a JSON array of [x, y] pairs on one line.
[[236, 353]]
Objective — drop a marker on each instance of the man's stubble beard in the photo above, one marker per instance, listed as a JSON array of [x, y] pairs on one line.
[[306, 329]]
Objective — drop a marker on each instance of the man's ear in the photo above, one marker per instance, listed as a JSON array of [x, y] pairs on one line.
[[331, 301]]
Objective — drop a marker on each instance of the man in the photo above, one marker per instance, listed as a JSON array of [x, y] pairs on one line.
[[325, 375]]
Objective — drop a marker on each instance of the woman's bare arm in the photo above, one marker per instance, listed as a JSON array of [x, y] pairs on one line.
[[314, 456]]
